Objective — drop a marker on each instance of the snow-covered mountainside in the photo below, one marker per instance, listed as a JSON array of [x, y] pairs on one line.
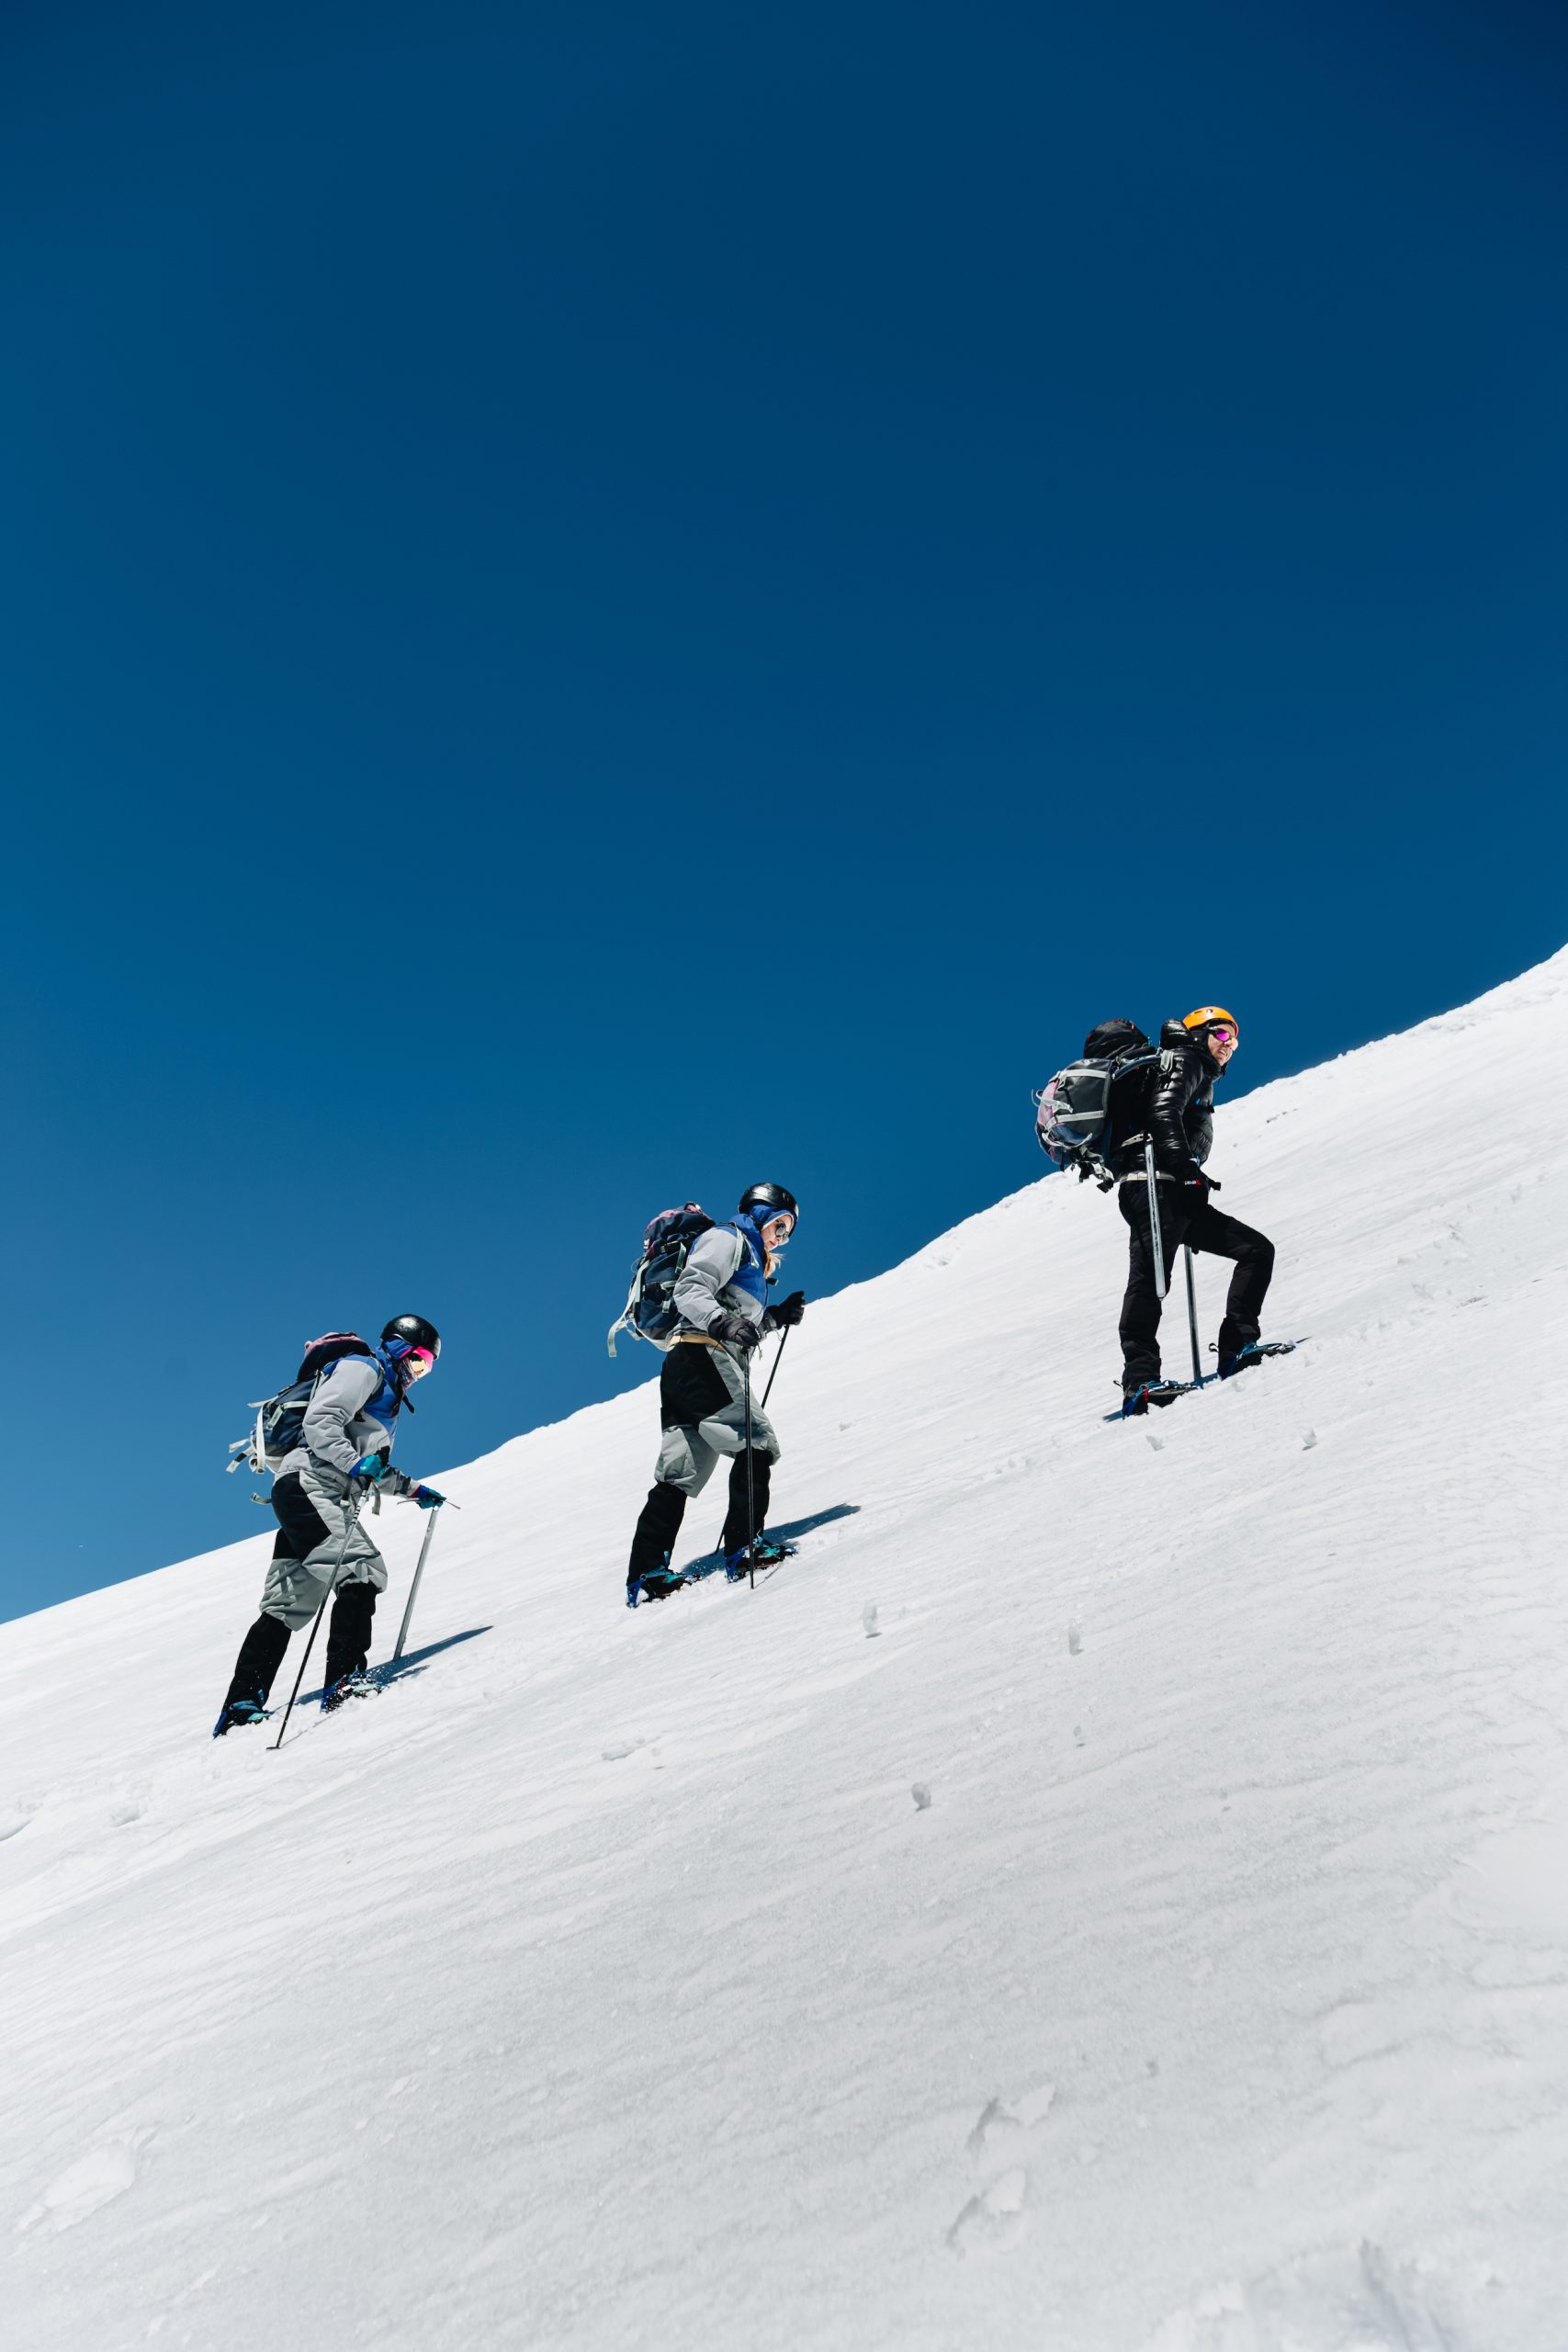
[[604, 1984]]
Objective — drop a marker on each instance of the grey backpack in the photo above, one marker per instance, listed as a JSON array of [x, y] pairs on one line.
[[1087, 1108]]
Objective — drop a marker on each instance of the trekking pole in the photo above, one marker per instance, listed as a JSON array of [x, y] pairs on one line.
[[414, 1588], [751, 1486], [1193, 1314], [777, 1361], [315, 1622], [1161, 1286]]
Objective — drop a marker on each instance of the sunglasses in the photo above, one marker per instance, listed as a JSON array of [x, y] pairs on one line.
[[1220, 1035]]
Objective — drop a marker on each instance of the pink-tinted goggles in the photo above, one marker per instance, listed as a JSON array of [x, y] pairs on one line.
[[418, 1361]]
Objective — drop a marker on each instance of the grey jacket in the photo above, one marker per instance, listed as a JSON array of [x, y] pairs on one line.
[[703, 1289], [337, 1431]]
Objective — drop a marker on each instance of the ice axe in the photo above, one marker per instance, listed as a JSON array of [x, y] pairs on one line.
[[1161, 1284], [1192, 1315], [419, 1571]]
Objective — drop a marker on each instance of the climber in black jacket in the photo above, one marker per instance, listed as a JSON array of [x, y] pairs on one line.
[[1180, 1123]]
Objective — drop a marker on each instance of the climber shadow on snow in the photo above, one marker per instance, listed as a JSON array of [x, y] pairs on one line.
[[412, 1662], [794, 1528], [707, 1562]]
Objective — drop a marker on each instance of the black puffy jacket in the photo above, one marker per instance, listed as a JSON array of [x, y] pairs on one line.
[[1177, 1109]]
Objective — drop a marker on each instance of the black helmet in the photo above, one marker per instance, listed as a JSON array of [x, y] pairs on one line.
[[414, 1332], [772, 1197]]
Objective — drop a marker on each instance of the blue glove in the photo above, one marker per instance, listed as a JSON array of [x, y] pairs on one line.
[[426, 1498], [370, 1467]]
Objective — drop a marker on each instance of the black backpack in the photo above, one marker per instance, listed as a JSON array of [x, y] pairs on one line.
[[281, 1420], [1085, 1110], [650, 1312]]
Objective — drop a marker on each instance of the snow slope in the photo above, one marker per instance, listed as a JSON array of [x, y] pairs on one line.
[[603, 1985]]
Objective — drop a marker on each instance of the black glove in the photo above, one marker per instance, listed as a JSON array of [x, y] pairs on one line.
[[787, 1314], [1201, 1184], [734, 1330]]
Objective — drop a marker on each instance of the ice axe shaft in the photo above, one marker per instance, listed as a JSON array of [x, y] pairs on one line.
[[1193, 1314], [1161, 1286], [414, 1588]]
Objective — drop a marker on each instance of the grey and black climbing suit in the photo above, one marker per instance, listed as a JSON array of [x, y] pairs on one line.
[[701, 1400], [321, 1542]]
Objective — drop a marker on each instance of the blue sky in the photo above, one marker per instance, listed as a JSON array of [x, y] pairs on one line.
[[596, 604]]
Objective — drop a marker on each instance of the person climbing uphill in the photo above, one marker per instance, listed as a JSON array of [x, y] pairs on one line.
[[1180, 1123], [343, 1455], [721, 1298]]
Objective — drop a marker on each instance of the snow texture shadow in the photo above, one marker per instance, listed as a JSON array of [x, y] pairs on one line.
[[411, 1663], [794, 1529], [705, 1563]]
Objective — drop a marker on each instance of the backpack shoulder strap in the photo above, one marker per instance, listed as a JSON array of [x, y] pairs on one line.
[[748, 1247]]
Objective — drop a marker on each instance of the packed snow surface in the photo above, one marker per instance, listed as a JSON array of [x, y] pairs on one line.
[[1108, 1893]]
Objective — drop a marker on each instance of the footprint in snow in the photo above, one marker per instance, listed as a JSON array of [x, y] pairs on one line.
[[997, 2123], [1001, 2125], [994, 2222], [104, 2173], [1361, 2297]]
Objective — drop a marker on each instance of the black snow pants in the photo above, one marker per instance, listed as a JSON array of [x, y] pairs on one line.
[[689, 1390], [659, 1523], [1203, 1227], [300, 1531]]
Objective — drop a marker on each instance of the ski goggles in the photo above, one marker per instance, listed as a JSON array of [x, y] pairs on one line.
[[418, 1361]]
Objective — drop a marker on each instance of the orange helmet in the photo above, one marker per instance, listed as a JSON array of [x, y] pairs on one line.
[[1208, 1012]]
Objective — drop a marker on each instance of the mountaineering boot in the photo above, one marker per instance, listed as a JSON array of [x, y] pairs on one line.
[[1252, 1353], [356, 1684], [763, 1554], [1150, 1392], [655, 1584], [238, 1711]]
